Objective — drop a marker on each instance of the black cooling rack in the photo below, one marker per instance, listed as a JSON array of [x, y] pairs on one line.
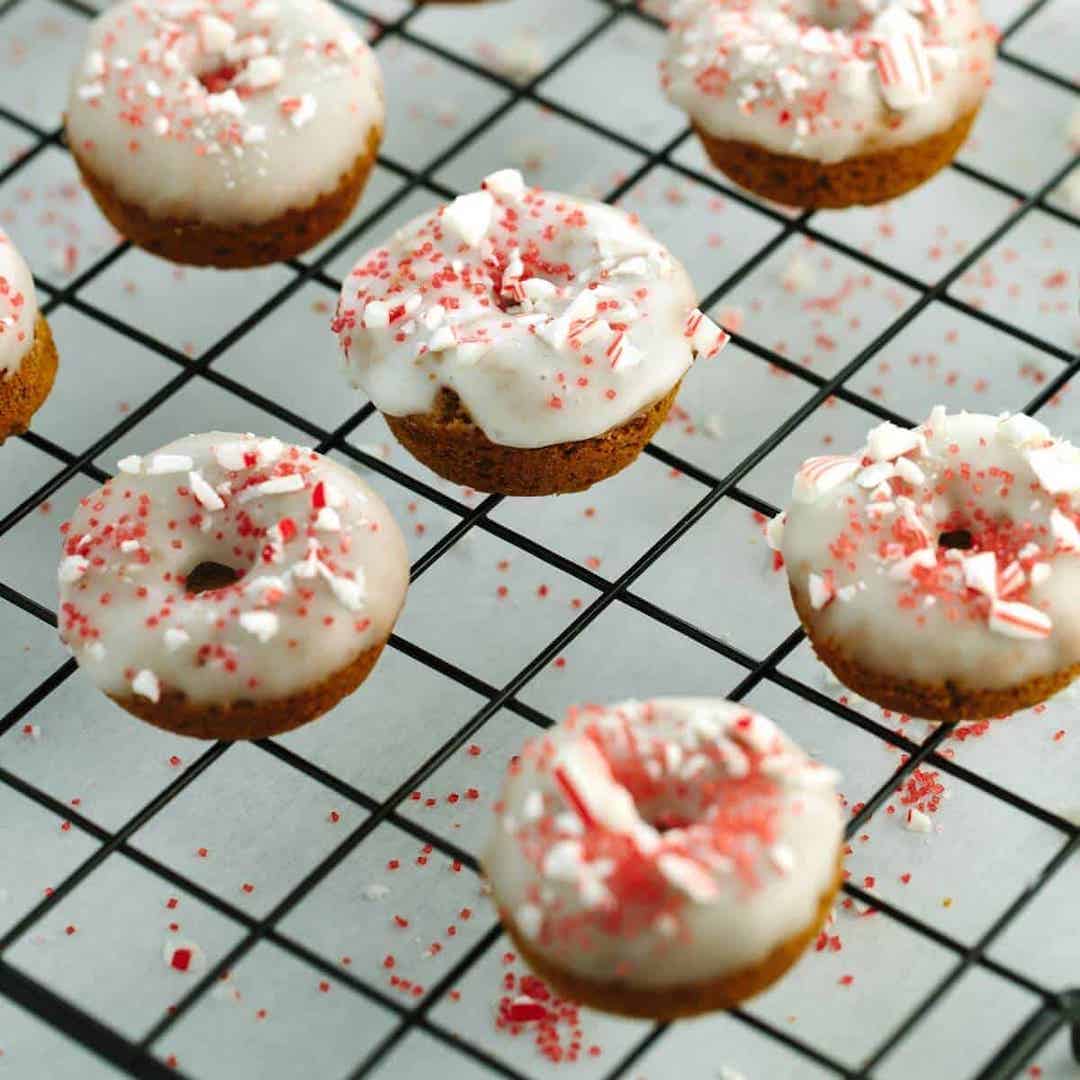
[[1015, 1049]]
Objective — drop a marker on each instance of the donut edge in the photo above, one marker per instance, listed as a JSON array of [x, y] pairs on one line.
[[694, 999], [247, 720], [943, 702], [448, 442], [861, 180], [23, 392], [234, 247]]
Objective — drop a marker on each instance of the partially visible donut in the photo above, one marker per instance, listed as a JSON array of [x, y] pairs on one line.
[[829, 103], [937, 570], [27, 354], [664, 858], [522, 341], [306, 570], [226, 133]]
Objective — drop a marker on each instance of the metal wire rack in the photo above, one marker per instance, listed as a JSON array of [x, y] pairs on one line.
[[140, 1057]]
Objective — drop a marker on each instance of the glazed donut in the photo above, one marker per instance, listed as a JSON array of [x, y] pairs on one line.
[[521, 341], [226, 133], [937, 570], [828, 103], [664, 858], [303, 572], [27, 353]]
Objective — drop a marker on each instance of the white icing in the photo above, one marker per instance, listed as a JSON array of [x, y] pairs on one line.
[[752, 838], [996, 615], [309, 601], [296, 96], [553, 318], [827, 79], [18, 307]]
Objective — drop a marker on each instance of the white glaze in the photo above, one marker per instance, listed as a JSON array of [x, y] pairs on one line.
[[861, 544], [579, 868], [498, 297], [326, 571], [815, 78], [18, 307], [277, 135]]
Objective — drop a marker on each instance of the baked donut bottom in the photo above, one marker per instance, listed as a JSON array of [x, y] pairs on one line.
[[448, 442], [945, 702], [24, 391], [235, 247], [252, 719], [862, 180], [693, 999]]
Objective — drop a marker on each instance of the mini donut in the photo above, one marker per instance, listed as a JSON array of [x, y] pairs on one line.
[[27, 354], [829, 103], [521, 341], [230, 587], [937, 570], [227, 133], [665, 858]]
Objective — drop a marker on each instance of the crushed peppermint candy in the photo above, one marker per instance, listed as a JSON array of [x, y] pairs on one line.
[[167, 464], [146, 684], [184, 956]]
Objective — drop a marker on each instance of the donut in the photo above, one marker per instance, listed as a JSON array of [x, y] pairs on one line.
[[227, 133], [521, 341], [27, 354], [829, 103], [937, 570], [230, 587], [664, 858]]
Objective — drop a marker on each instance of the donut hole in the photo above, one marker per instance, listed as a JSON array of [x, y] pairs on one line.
[[210, 576], [668, 820], [673, 809], [670, 803], [958, 539], [833, 14], [221, 78]]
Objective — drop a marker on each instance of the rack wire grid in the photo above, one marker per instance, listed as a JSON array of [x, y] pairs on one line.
[[329, 878]]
